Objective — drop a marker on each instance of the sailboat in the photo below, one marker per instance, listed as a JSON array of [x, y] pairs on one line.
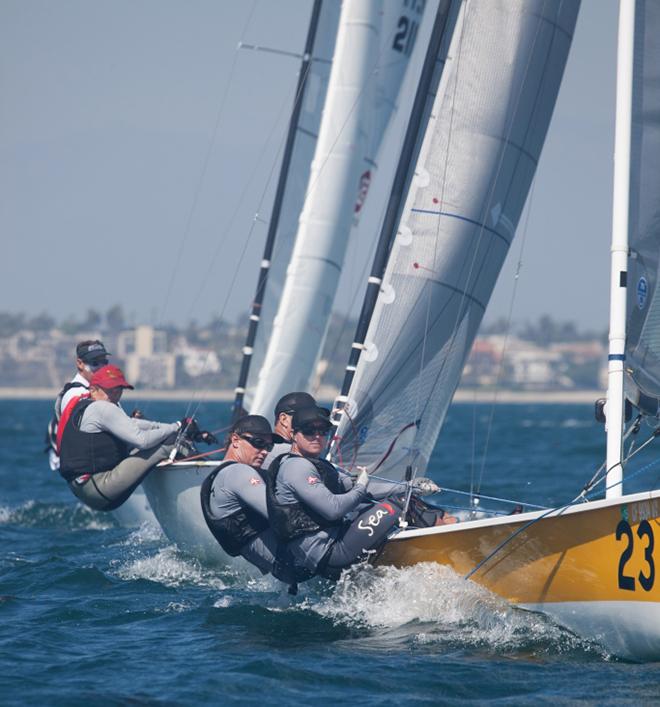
[[590, 565], [173, 489], [362, 78]]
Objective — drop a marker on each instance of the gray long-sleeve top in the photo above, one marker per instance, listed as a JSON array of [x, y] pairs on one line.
[[104, 416], [299, 481], [279, 448], [237, 486]]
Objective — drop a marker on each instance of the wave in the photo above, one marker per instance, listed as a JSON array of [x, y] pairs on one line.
[[34, 514], [170, 568], [431, 604]]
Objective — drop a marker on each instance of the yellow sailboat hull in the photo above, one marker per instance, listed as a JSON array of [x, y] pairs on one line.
[[592, 566]]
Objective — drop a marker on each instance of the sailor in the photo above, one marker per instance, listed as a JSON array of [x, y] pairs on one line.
[[96, 438], [90, 356], [233, 497], [309, 500], [282, 432]]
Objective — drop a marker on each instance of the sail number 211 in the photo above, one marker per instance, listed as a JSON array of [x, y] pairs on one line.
[[647, 578]]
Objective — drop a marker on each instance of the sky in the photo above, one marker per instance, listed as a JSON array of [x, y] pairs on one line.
[[137, 144]]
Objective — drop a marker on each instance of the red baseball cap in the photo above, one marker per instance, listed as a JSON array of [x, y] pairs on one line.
[[109, 377]]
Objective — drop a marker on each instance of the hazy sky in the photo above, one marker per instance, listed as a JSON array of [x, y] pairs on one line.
[[137, 143]]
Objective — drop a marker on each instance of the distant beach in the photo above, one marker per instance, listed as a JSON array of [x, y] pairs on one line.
[[577, 397]]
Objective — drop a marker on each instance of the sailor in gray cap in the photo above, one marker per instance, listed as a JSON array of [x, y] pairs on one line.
[[91, 355], [233, 496]]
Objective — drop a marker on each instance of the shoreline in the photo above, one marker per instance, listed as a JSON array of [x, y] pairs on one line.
[[565, 397]]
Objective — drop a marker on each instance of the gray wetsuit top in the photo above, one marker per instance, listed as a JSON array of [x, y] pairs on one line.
[[279, 448], [238, 486], [104, 416], [299, 481]]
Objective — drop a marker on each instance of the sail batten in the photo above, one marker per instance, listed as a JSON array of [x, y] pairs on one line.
[[486, 125]]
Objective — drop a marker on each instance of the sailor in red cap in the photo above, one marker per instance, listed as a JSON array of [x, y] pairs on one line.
[[96, 437]]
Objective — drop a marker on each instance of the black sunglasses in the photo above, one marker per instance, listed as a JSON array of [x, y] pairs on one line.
[[257, 442], [313, 430]]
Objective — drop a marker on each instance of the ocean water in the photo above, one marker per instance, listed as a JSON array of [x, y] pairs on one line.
[[91, 613]]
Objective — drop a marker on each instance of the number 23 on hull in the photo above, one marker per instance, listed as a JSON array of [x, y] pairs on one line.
[[591, 566]]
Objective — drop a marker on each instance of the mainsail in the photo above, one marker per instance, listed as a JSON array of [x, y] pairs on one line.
[[643, 325], [290, 194], [374, 42], [487, 122]]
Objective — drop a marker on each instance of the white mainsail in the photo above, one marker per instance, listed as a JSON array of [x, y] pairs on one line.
[[643, 320], [487, 124], [294, 182], [374, 43]]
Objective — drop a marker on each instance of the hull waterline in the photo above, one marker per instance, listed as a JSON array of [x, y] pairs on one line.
[[591, 567]]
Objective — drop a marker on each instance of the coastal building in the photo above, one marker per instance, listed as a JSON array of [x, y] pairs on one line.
[[147, 362]]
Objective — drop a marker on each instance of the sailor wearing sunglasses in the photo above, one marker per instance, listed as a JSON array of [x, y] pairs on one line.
[[233, 496], [286, 406], [309, 500], [90, 356]]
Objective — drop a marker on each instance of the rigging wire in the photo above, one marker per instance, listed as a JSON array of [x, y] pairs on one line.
[[410, 472], [500, 368], [246, 243], [373, 72], [200, 179], [558, 511], [599, 476], [204, 169]]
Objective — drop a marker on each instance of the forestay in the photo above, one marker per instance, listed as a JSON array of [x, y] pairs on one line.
[[643, 326], [295, 179], [486, 127], [374, 43]]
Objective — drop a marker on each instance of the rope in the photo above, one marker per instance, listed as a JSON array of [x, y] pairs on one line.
[[201, 455], [494, 498], [505, 343], [558, 511], [595, 481]]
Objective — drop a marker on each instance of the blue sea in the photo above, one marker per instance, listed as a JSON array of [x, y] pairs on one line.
[[95, 614]]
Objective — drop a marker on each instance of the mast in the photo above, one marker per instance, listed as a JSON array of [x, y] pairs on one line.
[[374, 42], [275, 215], [619, 271], [399, 190]]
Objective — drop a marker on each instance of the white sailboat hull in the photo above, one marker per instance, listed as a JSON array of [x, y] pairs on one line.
[[173, 492], [135, 511], [629, 629]]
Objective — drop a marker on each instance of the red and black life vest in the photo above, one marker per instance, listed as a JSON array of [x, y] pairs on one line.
[[87, 452], [52, 438]]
